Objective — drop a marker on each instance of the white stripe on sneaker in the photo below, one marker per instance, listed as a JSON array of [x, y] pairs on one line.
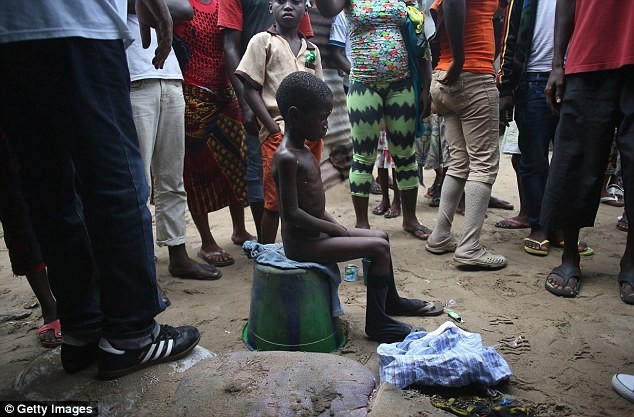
[[148, 355], [170, 344], [159, 350]]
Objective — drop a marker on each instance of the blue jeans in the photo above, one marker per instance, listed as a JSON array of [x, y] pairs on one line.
[[68, 116], [537, 127], [255, 190]]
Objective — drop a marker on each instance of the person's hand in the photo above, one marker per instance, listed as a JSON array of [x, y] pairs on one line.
[[452, 74], [506, 109], [155, 14], [250, 121], [425, 104], [338, 231], [555, 89]]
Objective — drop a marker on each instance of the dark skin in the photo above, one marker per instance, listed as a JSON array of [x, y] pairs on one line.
[[555, 88], [155, 14], [564, 26], [231, 39], [288, 15], [309, 232]]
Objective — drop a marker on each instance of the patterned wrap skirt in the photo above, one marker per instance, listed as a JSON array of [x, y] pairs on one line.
[[215, 150]]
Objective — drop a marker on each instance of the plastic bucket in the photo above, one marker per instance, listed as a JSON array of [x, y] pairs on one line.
[[290, 310]]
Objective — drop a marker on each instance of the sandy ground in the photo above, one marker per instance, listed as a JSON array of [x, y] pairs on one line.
[[563, 352]]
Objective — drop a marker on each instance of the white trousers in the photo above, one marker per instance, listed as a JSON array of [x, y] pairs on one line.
[[158, 108]]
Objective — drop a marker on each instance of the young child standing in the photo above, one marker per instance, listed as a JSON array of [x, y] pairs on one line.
[[271, 56], [309, 233]]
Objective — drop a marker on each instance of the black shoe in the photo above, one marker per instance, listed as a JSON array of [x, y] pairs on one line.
[[164, 297], [170, 344], [78, 358]]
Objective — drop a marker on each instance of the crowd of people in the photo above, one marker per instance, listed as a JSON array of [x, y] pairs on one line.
[[222, 120]]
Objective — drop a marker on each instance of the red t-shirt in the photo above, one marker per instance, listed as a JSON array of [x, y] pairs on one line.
[[603, 38], [479, 42], [251, 17], [202, 36]]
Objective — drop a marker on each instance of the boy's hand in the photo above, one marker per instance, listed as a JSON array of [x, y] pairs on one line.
[[339, 231]]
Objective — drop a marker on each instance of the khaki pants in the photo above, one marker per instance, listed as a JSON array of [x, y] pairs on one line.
[[470, 108]]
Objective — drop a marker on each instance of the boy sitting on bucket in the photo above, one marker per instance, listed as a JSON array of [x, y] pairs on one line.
[[309, 233]]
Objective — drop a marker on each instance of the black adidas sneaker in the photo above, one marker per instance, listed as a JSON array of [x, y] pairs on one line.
[[170, 344]]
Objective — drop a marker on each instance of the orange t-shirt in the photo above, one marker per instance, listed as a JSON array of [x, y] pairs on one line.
[[479, 42]]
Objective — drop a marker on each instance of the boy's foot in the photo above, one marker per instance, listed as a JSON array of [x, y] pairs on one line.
[[78, 358], [172, 343], [239, 239]]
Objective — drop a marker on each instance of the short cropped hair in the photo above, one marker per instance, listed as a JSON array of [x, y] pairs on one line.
[[302, 90]]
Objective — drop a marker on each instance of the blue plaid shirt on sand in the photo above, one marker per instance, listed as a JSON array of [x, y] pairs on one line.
[[448, 356]]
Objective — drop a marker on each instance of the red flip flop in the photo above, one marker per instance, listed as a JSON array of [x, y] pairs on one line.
[[57, 329]]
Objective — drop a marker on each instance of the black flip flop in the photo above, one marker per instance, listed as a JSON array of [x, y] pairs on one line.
[[566, 273], [629, 278]]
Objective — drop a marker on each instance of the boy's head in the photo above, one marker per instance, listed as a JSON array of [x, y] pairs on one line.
[[288, 13], [305, 103]]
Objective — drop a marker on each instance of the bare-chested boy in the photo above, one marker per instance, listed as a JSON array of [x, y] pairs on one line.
[[309, 233]]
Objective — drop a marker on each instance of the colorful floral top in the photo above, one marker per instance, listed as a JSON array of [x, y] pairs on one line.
[[377, 49]]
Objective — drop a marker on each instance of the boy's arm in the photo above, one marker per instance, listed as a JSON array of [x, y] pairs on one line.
[[290, 211], [254, 100]]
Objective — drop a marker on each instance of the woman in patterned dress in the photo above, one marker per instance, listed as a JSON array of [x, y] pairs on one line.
[[381, 88], [215, 150]]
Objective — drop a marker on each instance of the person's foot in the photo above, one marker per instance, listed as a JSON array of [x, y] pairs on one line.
[[216, 257], [497, 203], [362, 225], [240, 238], [626, 283], [381, 208], [393, 212], [418, 231], [517, 222], [624, 385], [564, 280], [414, 307], [190, 269], [170, 344], [50, 334], [77, 358], [622, 223], [164, 297], [487, 260]]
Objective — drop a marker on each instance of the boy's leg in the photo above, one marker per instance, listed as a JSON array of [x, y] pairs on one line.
[[271, 216]]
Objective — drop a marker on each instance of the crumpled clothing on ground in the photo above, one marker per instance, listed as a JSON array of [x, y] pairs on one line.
[[448, 357]]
